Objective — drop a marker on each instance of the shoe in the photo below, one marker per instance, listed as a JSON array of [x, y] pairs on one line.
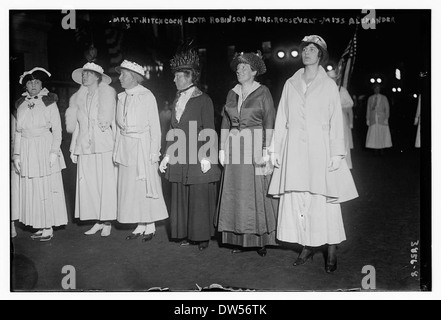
[[133, 236], [203, 245], [105, 232], [304, 256], [236, 251], [47, 235], [37, 235], [185, 243], [147, 237], [46, 238], [331, 268], [262, 252], [96, 227]]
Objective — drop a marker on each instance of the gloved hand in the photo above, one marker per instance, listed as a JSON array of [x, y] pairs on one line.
[[222, 157], [205, 165], [52, 159], [163, 165], [154, 158], [17, 165], [74, 158], [275, 161], [334, 164]]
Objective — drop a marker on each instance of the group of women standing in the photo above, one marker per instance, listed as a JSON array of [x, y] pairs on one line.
[[284, 174]]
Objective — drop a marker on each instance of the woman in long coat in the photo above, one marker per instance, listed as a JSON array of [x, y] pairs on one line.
[[310, 176], [137, 151], [247, 215], [377, 119], [194, 174], [37, 157], [91, 119]]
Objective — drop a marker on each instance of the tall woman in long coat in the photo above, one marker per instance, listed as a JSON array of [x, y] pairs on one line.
[[91, 119], [247, 215], [37, 157], [193, 175], [137, 151], [308, 147]]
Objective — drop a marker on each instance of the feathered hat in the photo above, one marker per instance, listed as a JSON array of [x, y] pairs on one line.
[[185, 60], [255, 60]]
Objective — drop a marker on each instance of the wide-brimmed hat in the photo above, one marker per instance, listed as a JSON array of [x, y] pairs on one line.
[[77, 74], [318, 41], [132, 66], [255, 60], [38, 73]]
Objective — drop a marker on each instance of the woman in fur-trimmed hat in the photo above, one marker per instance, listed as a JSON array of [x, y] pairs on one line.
[[37, 158], [247, 215], [193, 174], [91, 120]]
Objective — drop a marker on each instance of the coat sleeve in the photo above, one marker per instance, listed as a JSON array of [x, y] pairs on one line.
[[73, 142], [269, 115], [225, 129], [155, 127], [281, 123], [387, 108], [56, 128], [336, 131], [207, 116], [368, 110], [13, 125]]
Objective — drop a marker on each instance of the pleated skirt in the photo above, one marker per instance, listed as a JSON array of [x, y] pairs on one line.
[[378, 137]]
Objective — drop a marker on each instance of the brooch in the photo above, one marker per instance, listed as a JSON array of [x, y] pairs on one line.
[[31, 105]]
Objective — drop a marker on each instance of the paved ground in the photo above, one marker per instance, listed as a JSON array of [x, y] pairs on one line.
[[380, 226]]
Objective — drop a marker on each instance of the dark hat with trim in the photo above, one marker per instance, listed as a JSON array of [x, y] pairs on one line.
[[37, 73], [187, 60], [255, 60]]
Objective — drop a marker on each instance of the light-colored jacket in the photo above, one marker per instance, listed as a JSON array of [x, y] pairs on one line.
[[377, 113], [308, 132], [93, 128]]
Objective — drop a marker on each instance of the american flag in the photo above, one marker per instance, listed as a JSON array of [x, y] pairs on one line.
[[347, 61]]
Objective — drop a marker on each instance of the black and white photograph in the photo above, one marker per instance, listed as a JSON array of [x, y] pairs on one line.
[[230, 151]]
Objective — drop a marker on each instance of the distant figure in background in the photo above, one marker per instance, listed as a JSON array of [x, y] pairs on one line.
[[37, 157], [137, 151], [91, 120], [377, 118], [348, 117], [417, 122]]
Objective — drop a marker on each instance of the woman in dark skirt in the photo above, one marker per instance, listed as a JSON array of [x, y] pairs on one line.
[[247, 215], [193, 174]]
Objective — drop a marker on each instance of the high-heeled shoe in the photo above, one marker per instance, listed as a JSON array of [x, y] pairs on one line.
[[47, 235], [96, 227], [236, 251], [105, 232], [304, 256], [262, 252], [330, 268], [37, 235], [147, 237]]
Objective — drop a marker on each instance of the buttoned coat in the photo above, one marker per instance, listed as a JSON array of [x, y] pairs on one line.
[[308, 132]]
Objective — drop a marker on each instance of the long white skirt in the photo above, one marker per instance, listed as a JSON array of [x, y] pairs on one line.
[[96, 187], [378, 137], [308, 219]]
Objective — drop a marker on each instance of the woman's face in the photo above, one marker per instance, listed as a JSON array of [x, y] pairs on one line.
[[182, 81], [310, 55], [33, 87], [127, 79], [89, 78], [245, 73]]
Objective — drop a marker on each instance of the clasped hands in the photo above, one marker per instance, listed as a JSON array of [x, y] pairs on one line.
[[205, 165]]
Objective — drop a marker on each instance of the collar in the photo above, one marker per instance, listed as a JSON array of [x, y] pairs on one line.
[[138, 89], [238, 88], [187, 90], [42, 93]]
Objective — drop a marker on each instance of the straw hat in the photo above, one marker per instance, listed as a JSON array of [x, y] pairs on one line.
[[132, 66], [77, 74]]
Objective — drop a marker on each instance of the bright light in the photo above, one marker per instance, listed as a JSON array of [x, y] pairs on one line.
[[379, 80], [372, 80], [398, 74], [294, 53], [329, 68], [394, 90], [399, 89], [281, 54], [415, 96]]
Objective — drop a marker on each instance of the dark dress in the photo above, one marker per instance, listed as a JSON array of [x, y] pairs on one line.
[[247, 215], [193, 193]]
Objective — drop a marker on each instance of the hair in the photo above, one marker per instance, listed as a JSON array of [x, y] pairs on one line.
[[323, 55], [139, 78], [36, 75]]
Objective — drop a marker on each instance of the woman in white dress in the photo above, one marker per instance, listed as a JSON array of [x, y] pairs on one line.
[[377, 118], [91, 119], [308, 148], [37, 157], [137, 151]]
